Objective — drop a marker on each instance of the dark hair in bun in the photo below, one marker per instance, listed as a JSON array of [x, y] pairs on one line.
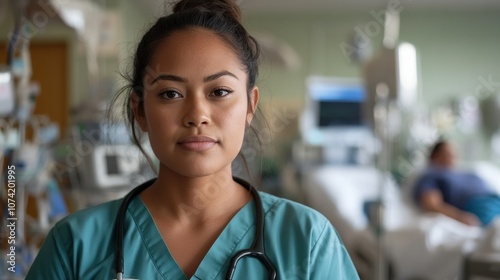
[[220, 16], [225, 7]]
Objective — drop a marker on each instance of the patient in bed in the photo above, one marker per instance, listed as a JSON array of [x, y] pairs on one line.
[[458, 194]]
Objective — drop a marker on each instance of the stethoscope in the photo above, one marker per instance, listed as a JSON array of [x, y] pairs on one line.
[[256, 251]]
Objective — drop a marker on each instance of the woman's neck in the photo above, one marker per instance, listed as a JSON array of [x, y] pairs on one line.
[[194, 201]]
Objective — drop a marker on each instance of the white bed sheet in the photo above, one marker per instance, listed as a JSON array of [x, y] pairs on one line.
[[418, 245]]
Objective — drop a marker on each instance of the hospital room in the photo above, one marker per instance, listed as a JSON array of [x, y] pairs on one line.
[[228, 139]]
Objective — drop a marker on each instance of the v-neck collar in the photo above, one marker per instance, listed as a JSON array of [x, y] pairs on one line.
[[218, 256]]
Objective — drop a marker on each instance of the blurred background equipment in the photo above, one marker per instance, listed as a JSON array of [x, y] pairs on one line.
[[490, 114], [86, 18], [6, 91], [29, 141], [277, 53], [107, 162], [333, 121]]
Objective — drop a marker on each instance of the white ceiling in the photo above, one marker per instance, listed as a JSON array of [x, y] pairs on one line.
[[322, 6]]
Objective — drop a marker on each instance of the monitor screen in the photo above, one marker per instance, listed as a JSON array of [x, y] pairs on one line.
[[112, 164], [339, 113]]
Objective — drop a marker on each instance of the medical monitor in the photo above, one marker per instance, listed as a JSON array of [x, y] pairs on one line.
[[333, 120], [335, 102], [332, 106]]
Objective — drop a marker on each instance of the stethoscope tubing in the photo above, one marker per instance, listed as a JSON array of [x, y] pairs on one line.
[[120, 226]]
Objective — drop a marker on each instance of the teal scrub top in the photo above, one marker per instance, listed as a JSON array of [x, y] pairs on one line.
[[299, 241]]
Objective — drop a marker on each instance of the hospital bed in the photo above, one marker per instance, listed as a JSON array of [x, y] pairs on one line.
[[416, 245]]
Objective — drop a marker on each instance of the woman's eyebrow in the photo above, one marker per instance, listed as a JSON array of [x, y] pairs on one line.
[[218, 75], [167, 77]]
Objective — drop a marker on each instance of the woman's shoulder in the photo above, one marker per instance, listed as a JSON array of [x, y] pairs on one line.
[[285, 214], [272, 203], [99, 217], [303, 237]]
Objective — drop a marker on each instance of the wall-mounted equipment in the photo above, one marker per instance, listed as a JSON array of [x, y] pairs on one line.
[[7, 101]]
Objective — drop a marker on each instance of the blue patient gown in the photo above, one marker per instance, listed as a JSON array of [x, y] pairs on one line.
[[300, 242]]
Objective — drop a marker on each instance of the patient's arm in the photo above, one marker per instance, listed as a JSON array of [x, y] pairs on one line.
[[432, 200]]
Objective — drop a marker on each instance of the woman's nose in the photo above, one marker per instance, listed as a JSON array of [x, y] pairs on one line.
[[196, 112]]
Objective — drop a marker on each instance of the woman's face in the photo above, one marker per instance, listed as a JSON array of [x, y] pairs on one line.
[[195, 103]]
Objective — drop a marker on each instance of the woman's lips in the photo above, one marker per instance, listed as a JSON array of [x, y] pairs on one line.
[[197, 143]]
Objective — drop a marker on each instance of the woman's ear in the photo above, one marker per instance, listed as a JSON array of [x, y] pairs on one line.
[[138, 111], [252, 105]]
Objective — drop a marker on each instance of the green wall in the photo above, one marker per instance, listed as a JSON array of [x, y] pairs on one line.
[[455, 50]]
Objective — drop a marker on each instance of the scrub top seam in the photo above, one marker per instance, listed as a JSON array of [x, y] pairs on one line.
[[270, 207], [144, 242], [58, 253], [320, 235]]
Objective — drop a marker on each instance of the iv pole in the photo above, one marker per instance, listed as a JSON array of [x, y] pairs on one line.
[[382, 81], [381, 121]]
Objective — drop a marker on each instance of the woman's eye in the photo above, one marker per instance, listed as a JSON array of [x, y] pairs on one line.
[[170, 94], [221, 92]]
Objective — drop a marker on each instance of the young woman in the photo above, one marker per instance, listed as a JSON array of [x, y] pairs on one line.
[[193, 92]]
